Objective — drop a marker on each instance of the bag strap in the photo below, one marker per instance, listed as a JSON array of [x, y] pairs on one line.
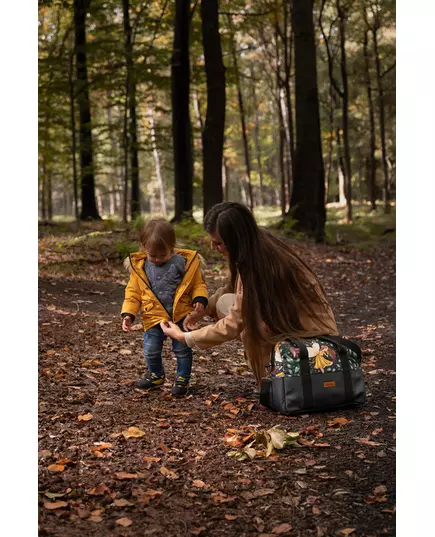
[[341, 341], [344, 358], [307, 383]]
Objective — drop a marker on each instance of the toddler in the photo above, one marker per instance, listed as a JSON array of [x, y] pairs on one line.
[[166, 284]]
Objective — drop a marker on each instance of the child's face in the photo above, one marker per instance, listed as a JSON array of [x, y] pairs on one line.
[[158, 257]]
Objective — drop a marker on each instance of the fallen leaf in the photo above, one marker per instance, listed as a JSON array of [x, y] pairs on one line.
[[51, 352], [338, 421], [197, 531], [198, 483], [85, 417], [123, 475], [95, 518], [380, 489], [56, 468], [124, 522], [168, 473], [368, 442], [55, 505], [347, 531], [99, 490], [152, 493], [44, 454], [282, 528], [151, 459], [53, 495], [125, 352], [133, 432], [263, 492], [231, 517], [315, 510], [122, 502], [219, 498]]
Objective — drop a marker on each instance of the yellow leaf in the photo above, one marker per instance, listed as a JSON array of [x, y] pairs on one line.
[[133, 432], [85, 417]]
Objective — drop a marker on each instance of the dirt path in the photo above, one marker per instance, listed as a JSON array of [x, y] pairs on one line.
[[177, 479]]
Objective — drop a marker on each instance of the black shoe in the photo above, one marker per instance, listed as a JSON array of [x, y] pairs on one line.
[[180, 387], [150, 380]]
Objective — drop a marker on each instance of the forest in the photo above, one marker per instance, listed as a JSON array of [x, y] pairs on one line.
[[168, 107], [159, 107]]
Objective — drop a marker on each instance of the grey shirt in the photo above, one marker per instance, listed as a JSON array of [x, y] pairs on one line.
[[164, 279]]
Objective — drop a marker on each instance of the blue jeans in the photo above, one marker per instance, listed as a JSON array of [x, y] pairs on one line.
[[152, 346]]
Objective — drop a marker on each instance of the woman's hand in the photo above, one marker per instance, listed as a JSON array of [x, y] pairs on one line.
[[173, 331]]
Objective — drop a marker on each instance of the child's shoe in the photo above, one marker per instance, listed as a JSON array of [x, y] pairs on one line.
[[150, 380], [180, 387]]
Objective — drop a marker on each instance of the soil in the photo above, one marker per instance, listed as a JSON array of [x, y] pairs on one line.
[[177, 478]]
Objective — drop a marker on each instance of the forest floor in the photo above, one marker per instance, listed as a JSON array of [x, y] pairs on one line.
[[177, 479]]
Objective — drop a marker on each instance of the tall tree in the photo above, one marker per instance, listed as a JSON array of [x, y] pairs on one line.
[[131, 100], [307, 201], [213, 133], [181, 126], [89, 207], [370, 159]]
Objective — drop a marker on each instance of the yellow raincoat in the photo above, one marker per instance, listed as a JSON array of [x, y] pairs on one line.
[[138, 293]]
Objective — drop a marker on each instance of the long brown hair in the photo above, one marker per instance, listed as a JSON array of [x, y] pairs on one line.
[[277, 283]]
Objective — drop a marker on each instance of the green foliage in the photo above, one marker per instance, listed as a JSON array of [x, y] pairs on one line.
[[124, 248]]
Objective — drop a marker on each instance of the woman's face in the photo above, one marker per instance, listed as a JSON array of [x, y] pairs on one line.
[[218, 244]]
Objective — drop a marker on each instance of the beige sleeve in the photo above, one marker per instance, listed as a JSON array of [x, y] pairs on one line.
[[211, 307], [226, 329]]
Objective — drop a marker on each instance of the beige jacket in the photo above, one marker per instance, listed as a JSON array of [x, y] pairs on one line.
[[231, 326]]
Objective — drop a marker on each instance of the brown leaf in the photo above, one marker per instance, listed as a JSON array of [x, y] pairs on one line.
[[322, 445], [282, 528], [124, 522], [56, 468], [44, 454], [380, 489], [99, 446], [198, 483], [55, 505], [99, 490], [219, 498], [125, 352], [133, 432], [151, 459], [231, 517], [165, 449], [315, 510], [85, 417], [368, 442], [197, 531], [152, 493], [168, 473], [338, 421], [347, 531], [263, 492], [95, 518], [123, 475], [122, 502]]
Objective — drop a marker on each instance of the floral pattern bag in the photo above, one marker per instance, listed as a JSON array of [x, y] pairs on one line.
[[309, 375]]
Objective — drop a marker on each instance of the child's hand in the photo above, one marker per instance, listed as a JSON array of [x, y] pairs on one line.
[[194, 317], [126, 324]]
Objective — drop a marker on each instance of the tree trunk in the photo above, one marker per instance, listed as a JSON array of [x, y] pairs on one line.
[[385, 190], [125, 144], [181, 127], [257, 136], [242, 115], [340, 170], [371, 162], [331, 110], [131, 99], [342, 14], [157, 161], [213, 133], [308, 182], [73, 136], [114, 161], [89, 206]]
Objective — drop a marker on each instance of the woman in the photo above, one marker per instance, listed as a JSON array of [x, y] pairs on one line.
[[277, 295]]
